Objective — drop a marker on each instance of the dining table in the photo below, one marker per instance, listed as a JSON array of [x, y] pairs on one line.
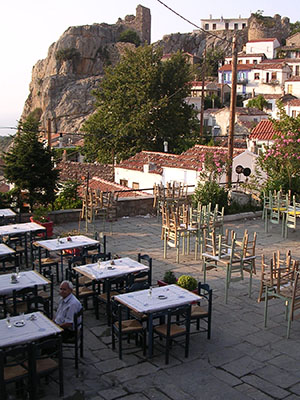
[[26, 328], [5, 250], [111, 268], [65, 243], [22, 229], [23, 280], [7, 213], [156, 299]]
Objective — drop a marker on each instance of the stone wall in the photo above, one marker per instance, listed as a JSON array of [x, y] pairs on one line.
[[268, 27]]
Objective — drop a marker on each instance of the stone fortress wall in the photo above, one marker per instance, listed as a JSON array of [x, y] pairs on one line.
[[268, 27]]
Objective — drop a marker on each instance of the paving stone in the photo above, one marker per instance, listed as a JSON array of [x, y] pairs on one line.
[[267, 387], [252, 392], [115, 393], [295, 389], [113, 364], [242, 366], [135, 371], [277, 376]]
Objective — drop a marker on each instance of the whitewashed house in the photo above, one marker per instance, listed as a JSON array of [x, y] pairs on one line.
[[267, 46], [292, 86]]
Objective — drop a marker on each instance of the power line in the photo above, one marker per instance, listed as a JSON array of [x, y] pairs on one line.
[[192, 23]]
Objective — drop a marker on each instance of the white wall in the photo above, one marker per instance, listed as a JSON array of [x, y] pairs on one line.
[[292, 87], [267, 47], [145, 180]]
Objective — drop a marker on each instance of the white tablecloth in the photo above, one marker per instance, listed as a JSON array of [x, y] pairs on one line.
[[163, 297], [5, 250], [122, 266], [20, 228], [7, 212], [27, 279], [64, 243], [32, 330]]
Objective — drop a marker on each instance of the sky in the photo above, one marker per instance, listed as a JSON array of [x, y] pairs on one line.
[[29, 27]]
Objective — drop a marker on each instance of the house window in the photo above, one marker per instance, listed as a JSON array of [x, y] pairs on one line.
[[256, 76], [247, 61], [254, 61], [206, 27], [290, 89], [297, 70], [236, 26], [240, 62], [269, 106], [214, 27], [135, 185], [294, 113], [243, 25], [124, 182], [226, 25], [274, 76]]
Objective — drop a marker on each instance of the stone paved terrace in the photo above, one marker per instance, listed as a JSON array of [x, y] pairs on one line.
[[241, 361]]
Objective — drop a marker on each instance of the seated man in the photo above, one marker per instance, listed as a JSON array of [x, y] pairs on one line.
[[67, 307]]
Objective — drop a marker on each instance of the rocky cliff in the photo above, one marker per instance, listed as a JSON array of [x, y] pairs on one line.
[[61, 84]]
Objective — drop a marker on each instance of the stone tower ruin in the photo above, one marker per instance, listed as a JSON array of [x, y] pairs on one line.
[[141, 23], [262, 27]]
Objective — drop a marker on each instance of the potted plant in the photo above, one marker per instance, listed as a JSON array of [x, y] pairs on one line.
[[40, 216], [168, 279], [187, 282]]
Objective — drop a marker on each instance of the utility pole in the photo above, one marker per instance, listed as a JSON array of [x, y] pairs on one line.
[[202, 95], [49, 133], [232, 112]]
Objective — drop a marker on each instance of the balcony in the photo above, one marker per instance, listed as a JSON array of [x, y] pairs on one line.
[[272, 82], [242, 81]]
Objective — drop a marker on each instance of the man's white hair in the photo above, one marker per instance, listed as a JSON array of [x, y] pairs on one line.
[[70, 284]]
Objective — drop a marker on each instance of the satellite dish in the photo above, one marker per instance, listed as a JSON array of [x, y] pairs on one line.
[[247, 171], [239, 169]]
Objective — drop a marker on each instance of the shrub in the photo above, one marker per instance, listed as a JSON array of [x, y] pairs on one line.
[[68, 196], [211, 192], [130, 36], [66, 54], [170, 277], [187, 282]]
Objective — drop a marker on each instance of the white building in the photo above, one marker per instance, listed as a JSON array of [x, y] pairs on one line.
[[221, 24], [292, 86], [267, 46]]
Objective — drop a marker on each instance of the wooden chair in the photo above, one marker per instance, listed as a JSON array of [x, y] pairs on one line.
[[123, 328], [13, 369], [294, 302], [290, 217], [202, 310], [47, 291], [38, 303], [173, 329], [75, 342], [47, 263], [144, 276], [83, 291], [45, 358]]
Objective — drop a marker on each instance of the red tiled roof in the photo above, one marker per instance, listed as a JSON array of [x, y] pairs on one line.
[[295, 102], [262, 40], [243, 54], [240, 67], [293, 79], [106, 186], [249, 111], [279, 60], [278, 65], [263, 131], [145, 157], [190, 159]]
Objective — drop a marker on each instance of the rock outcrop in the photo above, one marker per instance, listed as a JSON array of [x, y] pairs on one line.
[[61, 84]]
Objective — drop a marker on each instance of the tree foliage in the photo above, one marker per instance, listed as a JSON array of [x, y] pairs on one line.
[[258, 102], [295, 27], [281, 161], [130, 36], [140, 104], [29, 165]]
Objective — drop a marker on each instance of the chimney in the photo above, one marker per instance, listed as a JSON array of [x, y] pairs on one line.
[[165, 146]]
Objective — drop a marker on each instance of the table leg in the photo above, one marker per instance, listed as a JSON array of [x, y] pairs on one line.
[[61, 266], [150, 335]]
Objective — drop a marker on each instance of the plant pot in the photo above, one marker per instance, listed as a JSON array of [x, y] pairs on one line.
[[48, 225]]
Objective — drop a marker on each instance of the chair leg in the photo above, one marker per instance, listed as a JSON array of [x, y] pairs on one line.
[[266, 307]]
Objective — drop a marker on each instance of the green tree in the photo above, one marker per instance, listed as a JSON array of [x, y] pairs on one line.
[[29, 164], [140, 104], [130, 36], [281, 161], [258, 102], [295, 27]]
